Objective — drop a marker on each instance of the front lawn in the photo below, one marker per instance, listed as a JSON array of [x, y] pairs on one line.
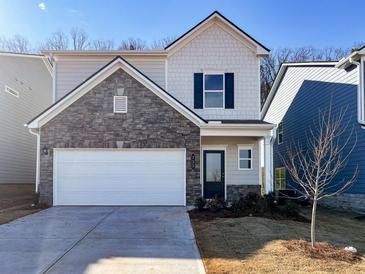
[[259, 245]]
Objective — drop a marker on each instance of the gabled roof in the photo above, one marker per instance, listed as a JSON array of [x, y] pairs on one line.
[[295, 81], [261, 49], [96, 78]]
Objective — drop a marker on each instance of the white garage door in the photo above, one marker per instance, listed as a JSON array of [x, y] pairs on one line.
[[119, 177]]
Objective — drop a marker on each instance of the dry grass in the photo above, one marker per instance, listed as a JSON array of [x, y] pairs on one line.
[[257, 245]]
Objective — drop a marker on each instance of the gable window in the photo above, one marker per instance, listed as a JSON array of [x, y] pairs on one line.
[[120, 104], [244, 157], [12, 91], [280, 182], [280, 133], [214, 90]]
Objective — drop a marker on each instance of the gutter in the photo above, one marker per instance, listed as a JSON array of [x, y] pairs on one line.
[[37, 175], [359, 88]]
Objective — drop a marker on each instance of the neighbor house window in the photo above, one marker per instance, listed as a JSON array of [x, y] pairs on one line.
[[12, 91], [244, 157], [280, 182], [280, 133], [214, 90], [120, 104]]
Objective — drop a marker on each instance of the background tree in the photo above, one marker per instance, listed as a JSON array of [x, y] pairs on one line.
[[79, 39], [132, 44], [315, 167], [58, 41], [163, 42], [101, 44], [17, 43]]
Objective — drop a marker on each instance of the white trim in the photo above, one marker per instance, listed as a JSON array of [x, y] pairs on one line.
[[55, 151], [15, 54], [54, 82], [11, 91], [361, 93], [248, 132], [223, 90], [115, 98], [119, 63], [38, 154], [166, 73], [214, 147], [105, 53], [246, 147]]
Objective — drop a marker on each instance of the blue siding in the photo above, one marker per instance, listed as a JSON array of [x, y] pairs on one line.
[[312, 97]]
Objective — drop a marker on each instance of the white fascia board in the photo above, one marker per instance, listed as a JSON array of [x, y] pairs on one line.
[[236, 132], [101, 76], [105, 53]]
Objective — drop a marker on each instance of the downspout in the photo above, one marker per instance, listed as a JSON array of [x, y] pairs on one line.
[[359, 94], [37, 174]]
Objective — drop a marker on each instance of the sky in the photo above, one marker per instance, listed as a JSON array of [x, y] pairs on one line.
[[276, 24]]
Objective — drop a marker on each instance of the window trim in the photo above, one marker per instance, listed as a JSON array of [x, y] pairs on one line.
[[281, 178], [11, 91], [246, 147], [212, 91], [126, 103], [280, 132]]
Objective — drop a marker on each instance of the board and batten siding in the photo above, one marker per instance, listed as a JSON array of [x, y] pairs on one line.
[[310, 90], [30, 77], [73, 71], [216, 50], [233, 175]]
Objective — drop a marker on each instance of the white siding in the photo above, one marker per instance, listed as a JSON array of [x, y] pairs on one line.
[[293, 80], [234, 176], [217, 50], [71, 72], [29, 76]]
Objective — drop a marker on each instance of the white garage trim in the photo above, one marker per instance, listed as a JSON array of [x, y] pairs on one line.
[[58, 151]]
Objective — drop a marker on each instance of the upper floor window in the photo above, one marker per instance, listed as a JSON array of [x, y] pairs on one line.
[[280, 133], [214, 90]]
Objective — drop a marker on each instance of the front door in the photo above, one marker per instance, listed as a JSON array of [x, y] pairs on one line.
[[213, 161]]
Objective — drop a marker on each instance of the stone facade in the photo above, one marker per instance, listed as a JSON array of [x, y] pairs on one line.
[[351, 202], [234, 192], [90, 123]]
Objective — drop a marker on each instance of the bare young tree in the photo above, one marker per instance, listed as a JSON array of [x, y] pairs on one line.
[[57, 41], [162, 42], [315, 168], [79, 39], [133, 44], [100, 44]]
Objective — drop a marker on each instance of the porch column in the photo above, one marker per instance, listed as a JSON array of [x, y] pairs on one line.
[[268, 166]]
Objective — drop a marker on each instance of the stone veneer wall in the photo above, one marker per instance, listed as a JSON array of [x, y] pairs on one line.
[[234, 192], [352, 202], [90, 123]]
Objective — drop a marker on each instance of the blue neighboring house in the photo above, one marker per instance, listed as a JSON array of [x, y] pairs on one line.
[[299, 92]]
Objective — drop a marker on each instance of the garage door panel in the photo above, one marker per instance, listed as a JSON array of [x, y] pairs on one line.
[[115, 177]]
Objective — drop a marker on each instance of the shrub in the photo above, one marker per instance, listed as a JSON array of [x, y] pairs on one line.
[[237, 207], [216, 203], [200, 203]]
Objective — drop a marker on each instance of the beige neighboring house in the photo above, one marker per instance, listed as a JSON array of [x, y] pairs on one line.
[[25, 90]]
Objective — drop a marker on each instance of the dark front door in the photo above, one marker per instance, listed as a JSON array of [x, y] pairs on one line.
[[213, 173]]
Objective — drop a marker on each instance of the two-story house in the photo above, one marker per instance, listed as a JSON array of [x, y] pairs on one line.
[[156, 127]]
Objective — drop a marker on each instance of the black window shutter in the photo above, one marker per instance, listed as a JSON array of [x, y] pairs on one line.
[[198, 90], [229, 90]]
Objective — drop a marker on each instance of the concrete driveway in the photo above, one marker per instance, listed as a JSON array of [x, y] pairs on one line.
[[100, 240]]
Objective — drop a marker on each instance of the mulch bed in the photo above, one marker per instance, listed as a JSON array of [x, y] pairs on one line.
[[209, 214], [322, 250]]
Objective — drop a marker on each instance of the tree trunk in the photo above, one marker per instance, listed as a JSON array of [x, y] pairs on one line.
[[313, 222]]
